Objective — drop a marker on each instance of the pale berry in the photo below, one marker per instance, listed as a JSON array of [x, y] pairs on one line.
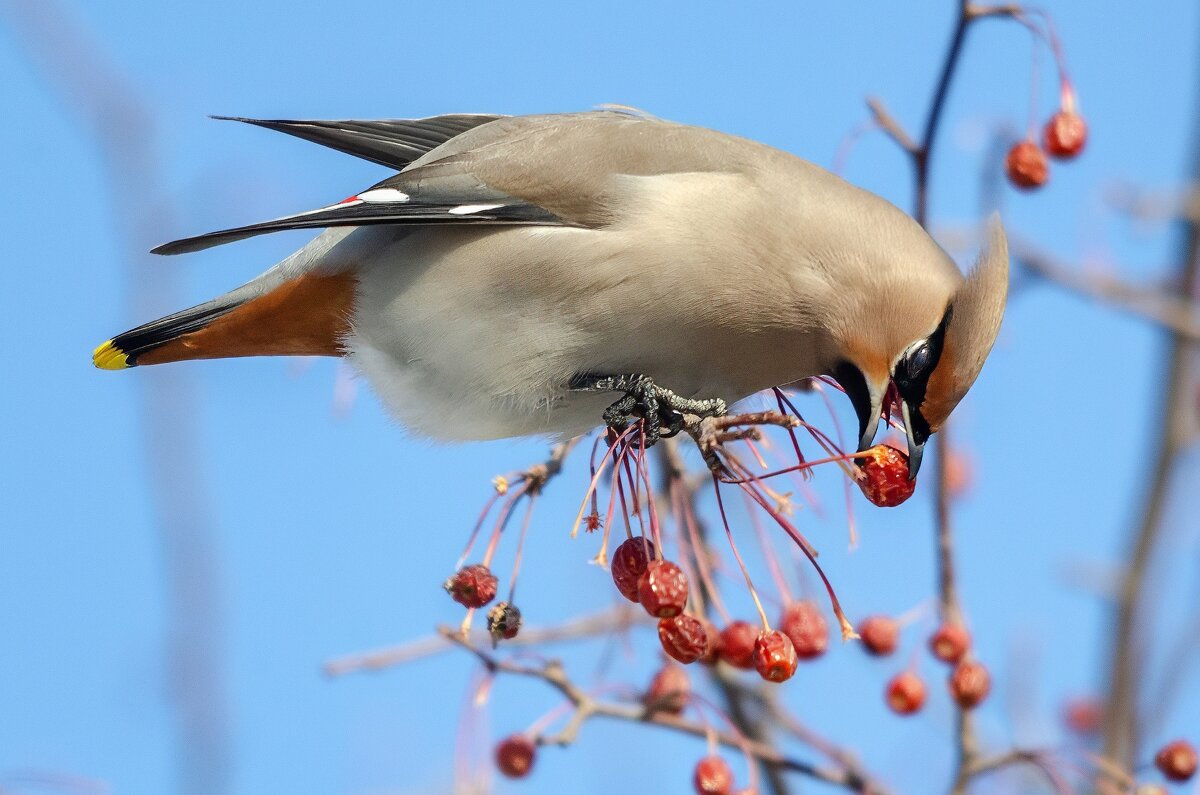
[[472, 586], [970, 684], [774, 656], [806, 628], [884, 478], [504, 621], [1176, 760], [1026, 166], [669, 690], [515, 756], [906, 693], [950, 642], [1083, 715], [737, 644], [663, 589], [683, 638], [1064, 135], [879, 635], [629, 563], [713, 776]]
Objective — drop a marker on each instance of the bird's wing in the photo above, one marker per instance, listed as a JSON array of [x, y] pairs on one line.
[[389, 142], [389, 202], [551, 170]]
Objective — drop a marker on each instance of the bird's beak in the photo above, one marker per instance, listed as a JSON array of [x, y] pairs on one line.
[[918, 432], [867, 401]]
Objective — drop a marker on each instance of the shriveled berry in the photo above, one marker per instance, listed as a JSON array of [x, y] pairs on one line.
[[683, 638], [663, 589], [950, 642], [1176, 760], [1083, 715], [713, 776], [712, 642], [970, 684], [737, 644], [884, 478], [806, 628], [879, 635], [515, 756], [669, 690], [1026, 166], [906, 693], [774, 656], [1064, 135], [472, 586], [503, 621], [629, 563]]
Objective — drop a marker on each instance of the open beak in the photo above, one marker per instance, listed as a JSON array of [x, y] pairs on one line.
[[918, 433]]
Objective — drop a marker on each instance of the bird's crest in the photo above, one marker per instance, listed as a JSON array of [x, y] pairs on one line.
[[976, 311]]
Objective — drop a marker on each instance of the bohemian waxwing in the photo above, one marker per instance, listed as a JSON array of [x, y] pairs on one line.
[[519, 271]]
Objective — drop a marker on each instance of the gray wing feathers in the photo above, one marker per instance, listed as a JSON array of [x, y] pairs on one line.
[[367, 214], [389, 142]]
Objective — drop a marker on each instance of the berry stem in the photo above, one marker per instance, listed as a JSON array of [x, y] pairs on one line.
[[516, 569], [737, 555], [595, 479]]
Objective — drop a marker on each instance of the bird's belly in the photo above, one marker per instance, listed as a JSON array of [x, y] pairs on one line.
[[475, 335]]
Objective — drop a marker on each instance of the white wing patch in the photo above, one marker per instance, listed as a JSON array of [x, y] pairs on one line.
[[383, 195], [468, 209]]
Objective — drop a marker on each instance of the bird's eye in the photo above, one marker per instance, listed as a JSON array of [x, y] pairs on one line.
[[919, 361]]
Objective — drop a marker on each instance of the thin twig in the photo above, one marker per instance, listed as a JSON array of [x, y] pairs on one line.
[[617, 619]]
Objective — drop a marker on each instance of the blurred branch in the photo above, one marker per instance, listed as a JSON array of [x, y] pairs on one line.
[[586, 707], [620, 618], [95, 91], [1177, 313], [1123, 722]]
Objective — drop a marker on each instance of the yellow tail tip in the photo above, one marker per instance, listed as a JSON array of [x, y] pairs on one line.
[[110, 357]]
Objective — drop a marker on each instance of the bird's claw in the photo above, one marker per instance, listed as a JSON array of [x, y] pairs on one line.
[[661, 410]]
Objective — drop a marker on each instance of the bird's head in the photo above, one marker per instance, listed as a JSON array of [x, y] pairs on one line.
[[923, 346]]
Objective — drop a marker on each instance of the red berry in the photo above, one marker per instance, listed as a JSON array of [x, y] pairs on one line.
[[472, 586], [683, 637], [629, 563], [950, 642], [879, 635], [669, 690], [1026, 166], [1176, 760], [774, 656], [1083, 715], [503, 621], [970, 684], [806, 628], [906, 693], [737, 644], [663, 589], [1064, 135], [713, 776], [712, 644], [885, 476], [515, 755]]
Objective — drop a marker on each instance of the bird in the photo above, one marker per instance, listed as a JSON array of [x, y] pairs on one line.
[[544, 274]]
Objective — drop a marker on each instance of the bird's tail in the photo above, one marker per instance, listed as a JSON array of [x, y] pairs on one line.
[[308, 315]]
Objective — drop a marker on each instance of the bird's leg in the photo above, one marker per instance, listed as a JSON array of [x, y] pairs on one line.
[[661, 408]]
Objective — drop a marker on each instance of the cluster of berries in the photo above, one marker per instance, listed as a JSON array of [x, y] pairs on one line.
[[969, 682], [1063, 138]]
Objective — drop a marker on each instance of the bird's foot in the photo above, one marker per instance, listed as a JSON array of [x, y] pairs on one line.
[[661, 409]]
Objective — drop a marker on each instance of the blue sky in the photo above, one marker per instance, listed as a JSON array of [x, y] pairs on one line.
[[331, 534]]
